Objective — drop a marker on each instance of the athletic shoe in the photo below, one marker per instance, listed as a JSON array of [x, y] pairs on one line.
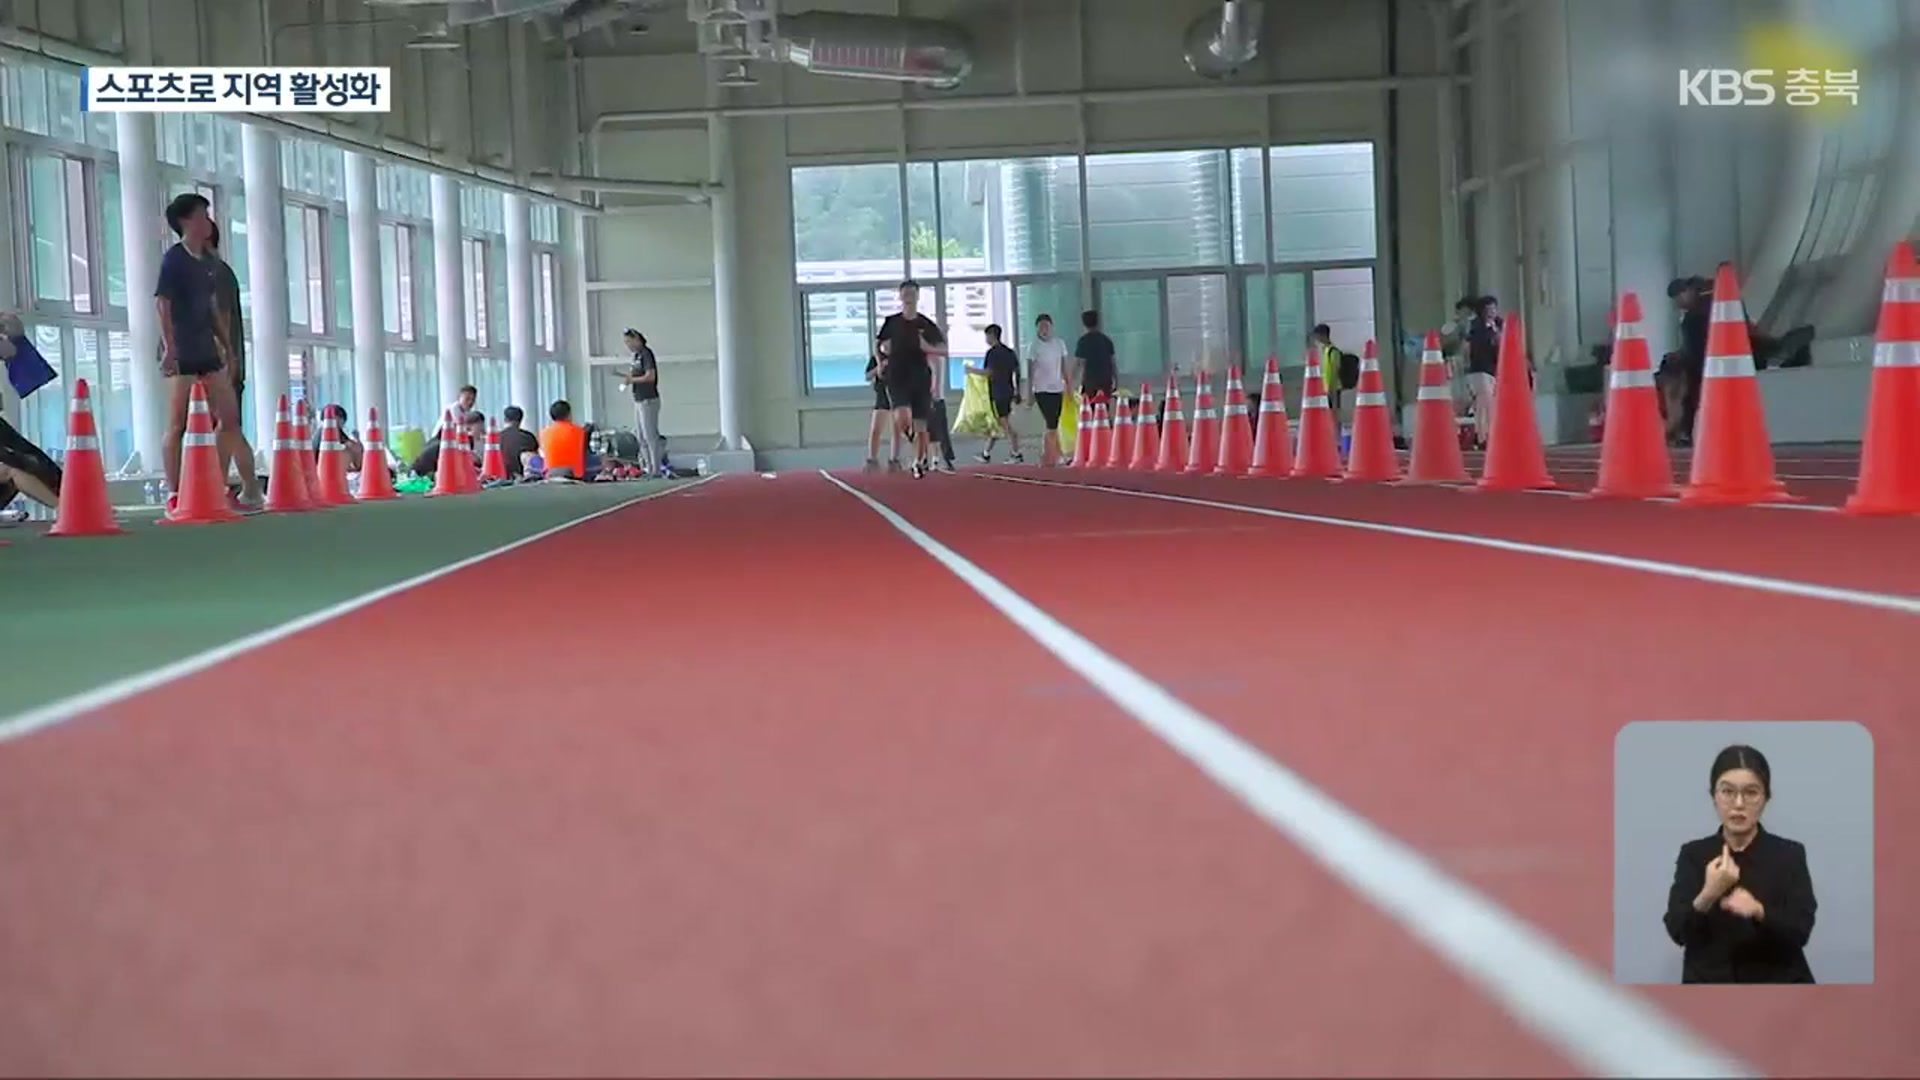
[[947, 467], [244, 508], [985, 458], [1018, 459], [893, 466], [872, 465], [919, 470]]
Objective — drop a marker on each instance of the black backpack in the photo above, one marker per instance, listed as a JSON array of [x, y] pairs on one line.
[[1349, 370]]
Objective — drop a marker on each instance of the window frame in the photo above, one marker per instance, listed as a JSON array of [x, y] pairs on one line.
[[1236, 268]]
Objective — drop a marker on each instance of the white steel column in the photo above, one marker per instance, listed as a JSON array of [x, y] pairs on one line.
[[577, 327], [726, 283], [450, 302], [1496, 252], [363, 267], [142, 202], [523, 376], [267, 275]]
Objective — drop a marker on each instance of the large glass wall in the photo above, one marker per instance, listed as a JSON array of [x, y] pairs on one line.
[[1183, 262], [70, 262]]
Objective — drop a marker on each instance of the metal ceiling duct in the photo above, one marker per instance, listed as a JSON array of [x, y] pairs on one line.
[[925, 52], [1221, 43]]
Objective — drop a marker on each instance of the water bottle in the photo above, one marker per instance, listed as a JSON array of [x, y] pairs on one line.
[[700, 466], [153, 493]]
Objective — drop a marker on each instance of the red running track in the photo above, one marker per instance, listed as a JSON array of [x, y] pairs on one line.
[[1437, 729], [862, 827]]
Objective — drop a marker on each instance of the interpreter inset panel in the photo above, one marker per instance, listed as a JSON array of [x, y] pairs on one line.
[[1743, 852]]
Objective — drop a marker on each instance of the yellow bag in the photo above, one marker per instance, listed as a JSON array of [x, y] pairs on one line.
[[1069, 418], [976, 408]]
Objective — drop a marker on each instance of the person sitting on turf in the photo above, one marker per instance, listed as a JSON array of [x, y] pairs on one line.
[[427, 464], [563, 444], [25, 469], [356, 450], [516, 442]]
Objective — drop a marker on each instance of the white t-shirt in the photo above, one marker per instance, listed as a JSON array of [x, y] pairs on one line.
[[1048, 359]]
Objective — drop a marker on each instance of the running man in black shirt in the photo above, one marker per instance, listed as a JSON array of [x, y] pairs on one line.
[[1099, 373], [908, 345], [1001, 366]]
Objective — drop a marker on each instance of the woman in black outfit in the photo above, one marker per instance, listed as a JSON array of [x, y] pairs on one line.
[[25, 469], [1742, 903]]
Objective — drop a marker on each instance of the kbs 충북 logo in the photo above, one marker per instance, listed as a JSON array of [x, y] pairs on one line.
[[1762, 86]]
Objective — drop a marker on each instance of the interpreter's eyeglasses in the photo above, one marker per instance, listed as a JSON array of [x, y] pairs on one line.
[[1736, 796]]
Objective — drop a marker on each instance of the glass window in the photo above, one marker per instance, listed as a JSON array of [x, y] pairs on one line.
[[173, 138], [118, 399], [49, 232], [306, 241], [1010, 216], [846, 223], [1132, 313], [103, 131], [1323, 203], [66, 121], [201, 155], [966, 310], [1158, 209], [236, 249], [839, 331], [227, 144], [43, 417], [497, 291], [27, 97], [1343, 299], [923, 231], [113, 238], [546, 329], [1282, 300], [1059, 298], [296, 240], [389, 278], [477, 292], [79, 246], [341, 263], [423, 271]]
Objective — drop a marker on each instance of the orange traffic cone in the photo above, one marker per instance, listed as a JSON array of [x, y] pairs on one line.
[[1120, 439], [1173, 432], [84, 509], [1271, 454], [1371, 455], [1890, 454], [333, 465], [304, 423], [1436, 432], [1146, 434], [1083, 436], [376, 478], [446, 478], [202, 498], [1203, 447], [1097, 448], [1634, 463], [1732, 454], [1317, 454], [1235, 455], [287, 482], [495, 466], [1516, 457]]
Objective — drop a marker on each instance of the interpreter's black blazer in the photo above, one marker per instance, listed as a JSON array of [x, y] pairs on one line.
[[1721, 947]]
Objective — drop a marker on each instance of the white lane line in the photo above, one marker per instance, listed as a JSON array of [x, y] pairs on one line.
[[1900, 604], [113, 693], [1553, 994]]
